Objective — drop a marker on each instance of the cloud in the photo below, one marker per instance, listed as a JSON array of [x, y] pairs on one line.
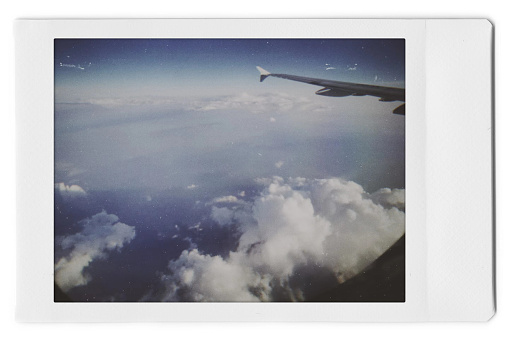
[[279, 164], [100, 234], [260, 103], [222, 215], [192, 186], [326, 224], [330, 68], [387, 197], [195, 227], [351, 68], [264, 103], [201, 277], [226, 199], [70, 191], [74, 66], [113, 102], [67, 65]]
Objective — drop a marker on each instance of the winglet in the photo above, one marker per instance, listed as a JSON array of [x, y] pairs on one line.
[[263, 73]]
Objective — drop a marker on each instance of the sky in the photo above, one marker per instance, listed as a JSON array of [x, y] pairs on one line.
[[180, 177], [87, 69]]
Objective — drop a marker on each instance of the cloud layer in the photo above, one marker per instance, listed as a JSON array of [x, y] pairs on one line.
[[294, 224], [259, 103], [101, 234], [264, 103]]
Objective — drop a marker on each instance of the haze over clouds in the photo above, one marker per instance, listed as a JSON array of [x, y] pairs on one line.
[[309, 136], [267, 102], [318, 223], [100, 234], [243, 101]]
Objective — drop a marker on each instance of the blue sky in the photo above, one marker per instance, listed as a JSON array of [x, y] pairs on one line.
[[176, 154], [192, 67]]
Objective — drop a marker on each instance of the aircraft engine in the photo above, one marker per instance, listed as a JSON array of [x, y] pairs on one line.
[[331, 92]]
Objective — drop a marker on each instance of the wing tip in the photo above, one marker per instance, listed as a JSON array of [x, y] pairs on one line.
[[263, 73]]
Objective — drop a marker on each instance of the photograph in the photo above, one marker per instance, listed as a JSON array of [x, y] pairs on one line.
[[229, 170]]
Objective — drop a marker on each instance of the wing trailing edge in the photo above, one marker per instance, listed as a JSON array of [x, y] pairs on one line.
[[340, 89]]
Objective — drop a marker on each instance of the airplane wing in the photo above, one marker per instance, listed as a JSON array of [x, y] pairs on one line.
[[334, 88]]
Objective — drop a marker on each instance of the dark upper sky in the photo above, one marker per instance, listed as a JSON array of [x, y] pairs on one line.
[[87, 68]]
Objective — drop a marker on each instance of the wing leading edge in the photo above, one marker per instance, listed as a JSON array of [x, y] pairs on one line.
[[341, 89]]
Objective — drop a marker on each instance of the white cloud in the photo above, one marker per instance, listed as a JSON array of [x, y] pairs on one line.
[[267, 181], [362, 228], [265, 103], [222, 215], [272, 119], [67, 65], [101, 233], [389, 197], [279, 164], [131, 101], [70, 191], [226, 199], [73, 65], [192, 186], [328, 223], [195, 227], [199, 277]]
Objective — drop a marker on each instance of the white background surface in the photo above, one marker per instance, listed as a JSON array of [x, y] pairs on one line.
[[324, 9]]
